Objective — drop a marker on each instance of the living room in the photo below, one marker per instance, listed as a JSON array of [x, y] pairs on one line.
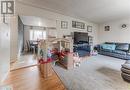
[[102, 28]]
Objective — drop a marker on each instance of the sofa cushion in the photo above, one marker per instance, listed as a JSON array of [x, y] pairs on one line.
[[82, 53], [122, 46], [106, 50], [109, 46], [110, 43], [83, 47], [119, 52]]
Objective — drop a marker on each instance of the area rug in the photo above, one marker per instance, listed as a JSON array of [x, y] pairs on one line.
[[95, 73]]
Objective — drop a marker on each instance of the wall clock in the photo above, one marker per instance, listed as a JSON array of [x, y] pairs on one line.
[[124, 26]]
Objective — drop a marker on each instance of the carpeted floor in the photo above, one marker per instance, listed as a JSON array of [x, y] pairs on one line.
[[95, 73]]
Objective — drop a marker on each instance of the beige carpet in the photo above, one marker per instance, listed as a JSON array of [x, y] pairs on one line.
[[95, 73]]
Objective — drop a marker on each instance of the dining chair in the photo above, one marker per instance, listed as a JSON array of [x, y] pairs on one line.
[[32, 47], [28, 47]]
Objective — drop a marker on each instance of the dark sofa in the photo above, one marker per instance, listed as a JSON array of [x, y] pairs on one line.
[[118, 50], [82, 49]]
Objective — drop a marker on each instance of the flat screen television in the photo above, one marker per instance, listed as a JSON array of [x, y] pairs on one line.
[[80, 37]]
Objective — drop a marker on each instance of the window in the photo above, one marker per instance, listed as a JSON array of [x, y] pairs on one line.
[[37, 34]]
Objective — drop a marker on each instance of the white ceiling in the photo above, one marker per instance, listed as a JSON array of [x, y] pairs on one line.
[[98, 11]]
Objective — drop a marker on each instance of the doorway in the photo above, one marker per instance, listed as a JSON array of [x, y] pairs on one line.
[[31, 30]]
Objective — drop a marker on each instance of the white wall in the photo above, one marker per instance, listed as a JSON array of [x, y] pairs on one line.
[[38, 21], [116, 33], [14, 38], [4, 50], [25, 10], [8, 45]]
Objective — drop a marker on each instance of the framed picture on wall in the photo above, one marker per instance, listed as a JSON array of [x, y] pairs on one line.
[[89, 28], [79, 25], [64, 24], [107, 28]]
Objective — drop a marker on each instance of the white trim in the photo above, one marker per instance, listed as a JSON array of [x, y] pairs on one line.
[[5, 76]]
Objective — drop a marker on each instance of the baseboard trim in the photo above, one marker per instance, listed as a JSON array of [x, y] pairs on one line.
[[4, 78], [13, 60], [24, 67]]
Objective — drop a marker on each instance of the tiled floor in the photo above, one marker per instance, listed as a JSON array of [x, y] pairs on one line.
[[24, 61]]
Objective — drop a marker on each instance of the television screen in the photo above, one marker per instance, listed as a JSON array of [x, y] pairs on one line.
[[80, 37]]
